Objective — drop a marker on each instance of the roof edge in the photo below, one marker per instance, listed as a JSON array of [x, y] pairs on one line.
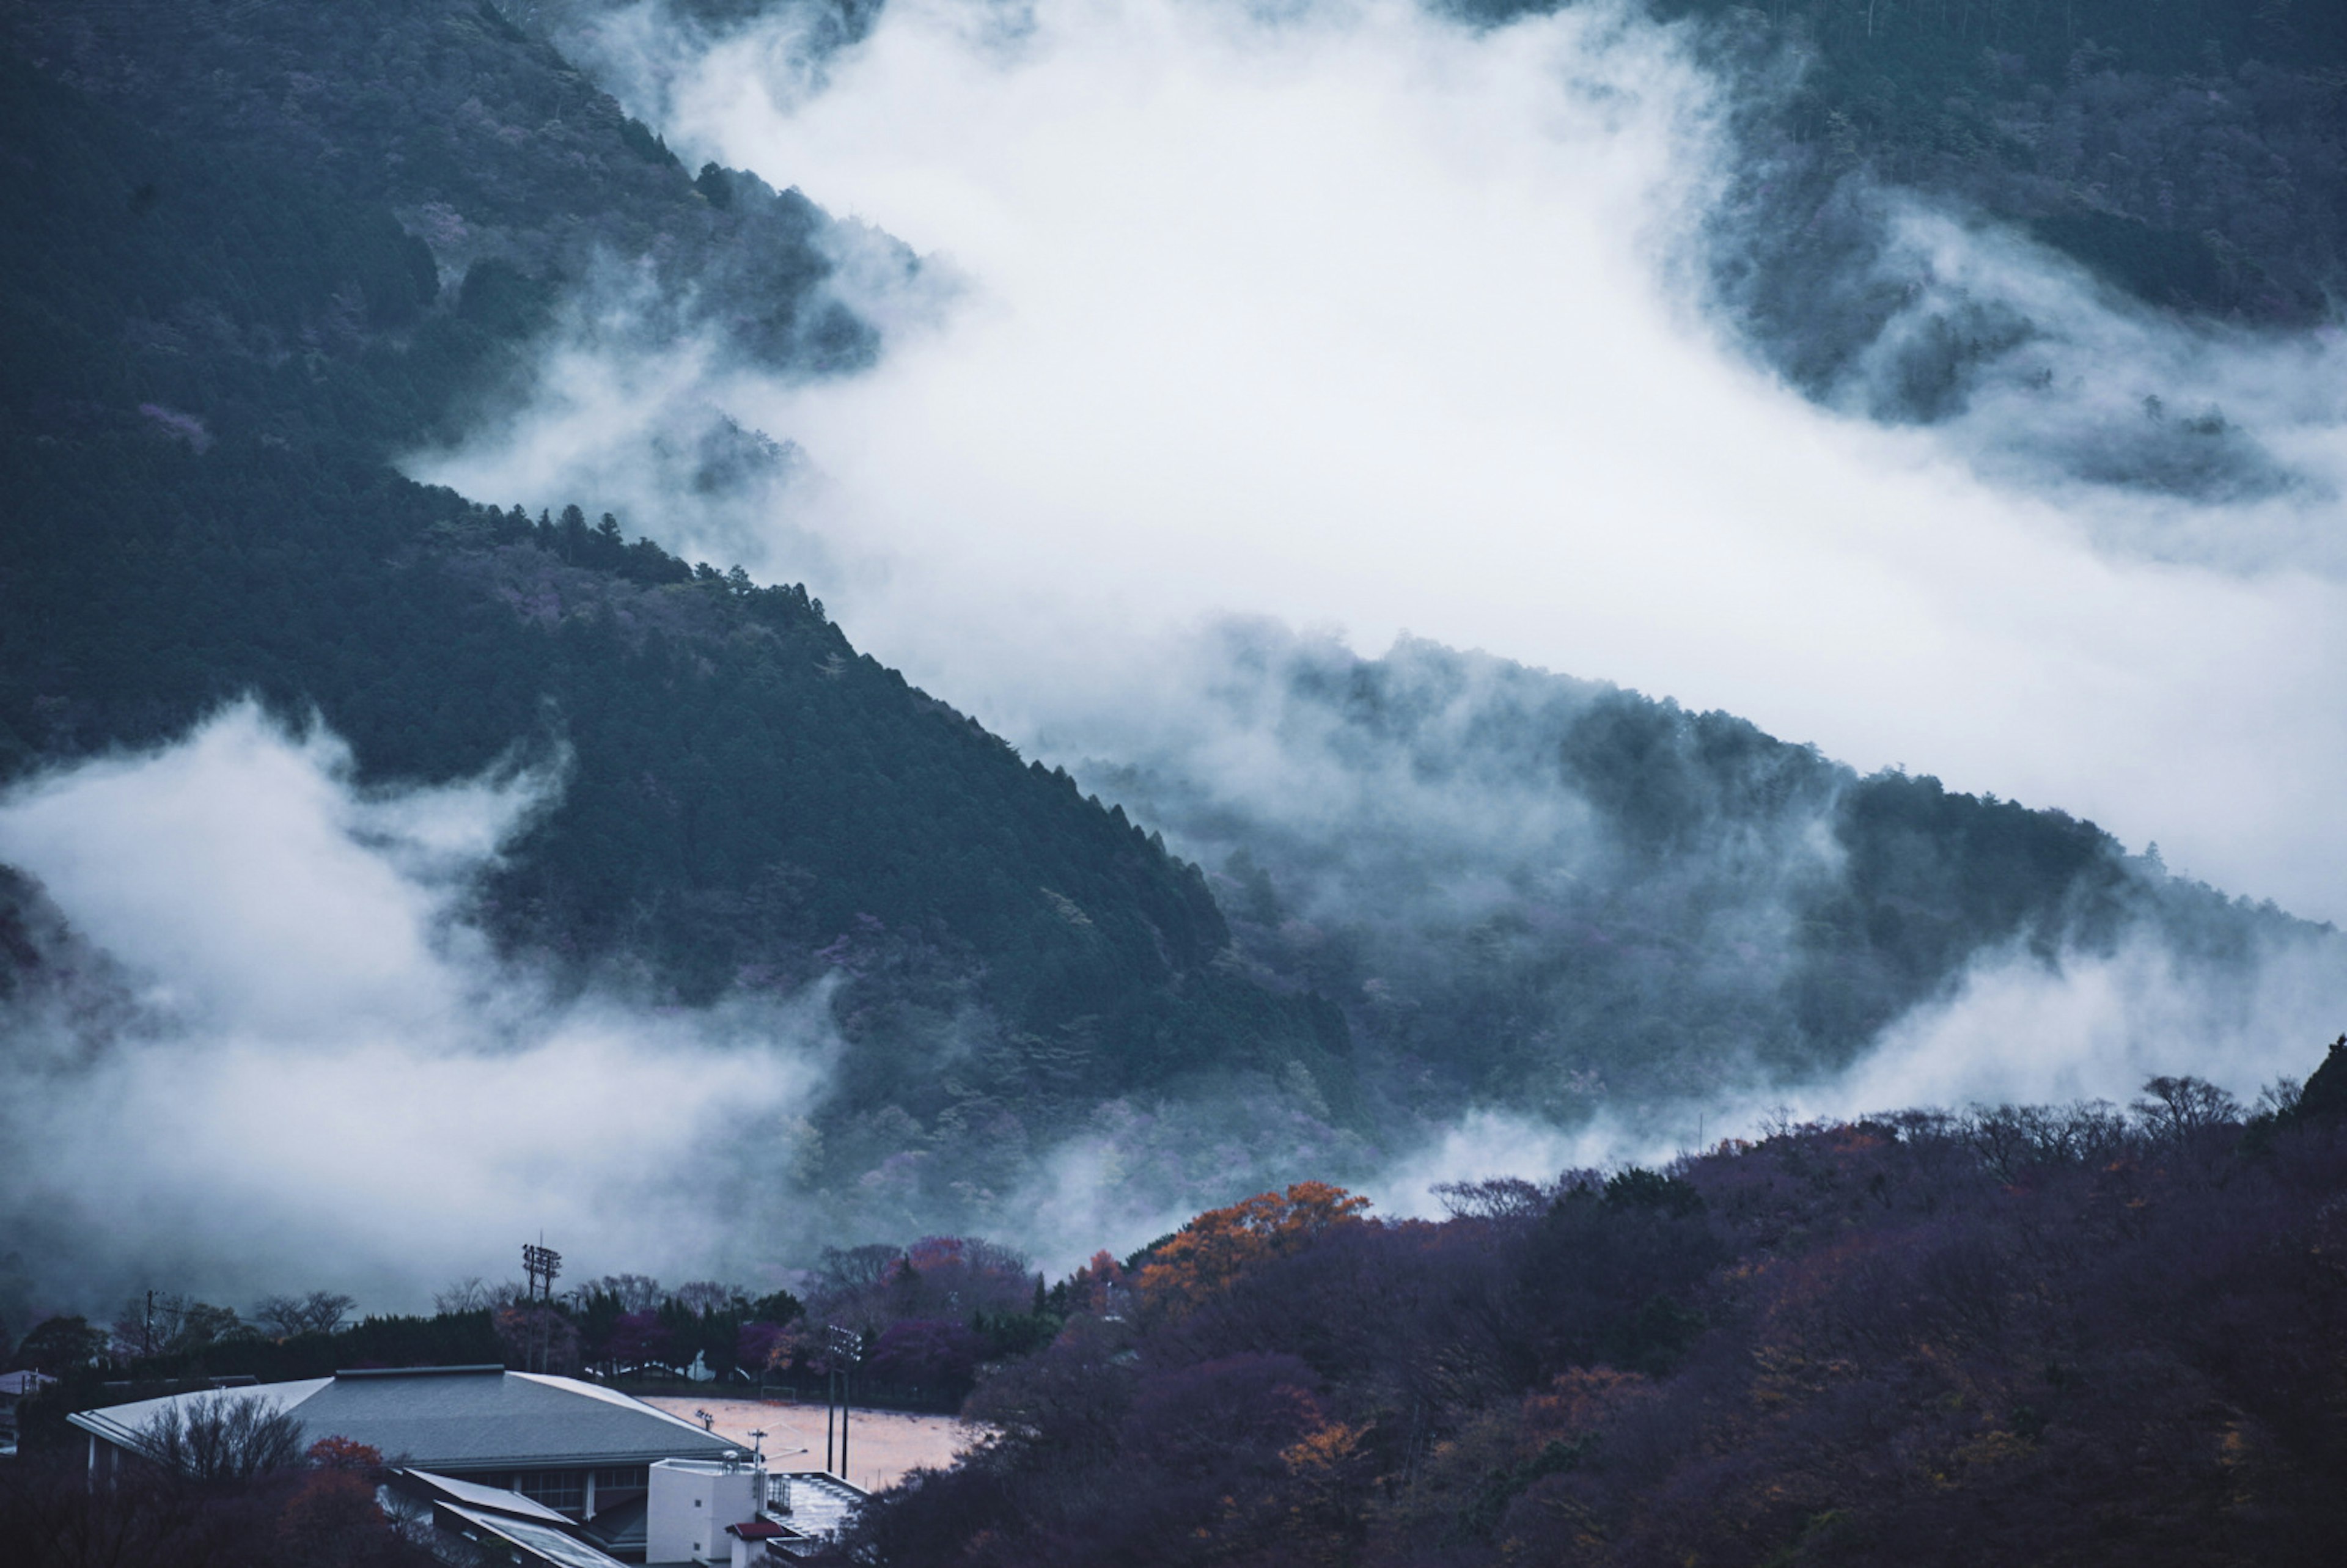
[[480, 1370]]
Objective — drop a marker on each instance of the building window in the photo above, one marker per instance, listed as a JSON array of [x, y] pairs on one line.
[[626, 1478], [564, 1489]]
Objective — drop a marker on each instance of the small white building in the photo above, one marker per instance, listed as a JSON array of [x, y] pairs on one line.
[[693, 1501], [733, 1514]]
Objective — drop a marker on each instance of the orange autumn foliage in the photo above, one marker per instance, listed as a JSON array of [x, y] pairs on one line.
[[1213, 1250]]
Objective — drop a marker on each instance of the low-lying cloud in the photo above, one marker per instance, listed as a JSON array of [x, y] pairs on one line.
[[1345, 315], [2023, 1030], [1352, 316], [275, 1053]]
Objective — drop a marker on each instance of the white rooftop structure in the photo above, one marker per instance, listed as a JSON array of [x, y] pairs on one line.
[[693, 1502]]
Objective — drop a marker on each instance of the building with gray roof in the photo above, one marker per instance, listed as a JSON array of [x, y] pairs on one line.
[[570, 1446]]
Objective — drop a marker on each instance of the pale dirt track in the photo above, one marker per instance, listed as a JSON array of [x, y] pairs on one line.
[[883, 1445]]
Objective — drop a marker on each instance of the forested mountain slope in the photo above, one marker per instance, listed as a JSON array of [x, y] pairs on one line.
[[478, 139], [2194, 151], [2032, 1335], [2192, 155], [2039, 221], [1556, 893]]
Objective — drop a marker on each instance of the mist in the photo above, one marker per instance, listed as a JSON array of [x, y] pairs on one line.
[[1388, 334], [1351, 316], [266, 1049]]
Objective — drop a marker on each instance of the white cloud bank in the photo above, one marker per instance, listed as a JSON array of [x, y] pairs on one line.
[[1339, 313], [327, 1080]]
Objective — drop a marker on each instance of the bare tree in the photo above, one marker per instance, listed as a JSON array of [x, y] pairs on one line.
[[1497, 1198], [2009, 1139], [635, 1292], [165, 1323], [466, 1295], [706, 1295], [222, 1436], [319, 1312], [2281, 1097], [2179, 1109]]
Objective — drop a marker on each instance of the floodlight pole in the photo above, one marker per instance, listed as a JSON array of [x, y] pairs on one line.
[[541, 1263], [847, 1347]]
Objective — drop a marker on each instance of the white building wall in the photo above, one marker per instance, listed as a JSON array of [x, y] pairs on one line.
[[689, 1506]]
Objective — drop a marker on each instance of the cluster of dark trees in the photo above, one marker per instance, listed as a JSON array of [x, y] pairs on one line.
[[618, 1328], [241, 1492], [2013, 1334], [628, 1326], [924, 1319], [168, 1343], [929, 1315]]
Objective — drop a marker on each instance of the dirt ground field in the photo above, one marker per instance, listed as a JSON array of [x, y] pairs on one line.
[[882, 1444]]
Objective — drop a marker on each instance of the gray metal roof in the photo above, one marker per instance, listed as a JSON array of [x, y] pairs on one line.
[[538, 1543], [456, 1418], [496, 1498]]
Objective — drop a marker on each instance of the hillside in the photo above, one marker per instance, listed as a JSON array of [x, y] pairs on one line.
[[2192, 156], [482, 143], [1544, 892], [2030, 1335], [209, 359]]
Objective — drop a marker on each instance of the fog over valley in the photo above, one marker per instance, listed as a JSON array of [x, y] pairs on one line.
[[1352, 591], [1352, 316], [1301, 783]]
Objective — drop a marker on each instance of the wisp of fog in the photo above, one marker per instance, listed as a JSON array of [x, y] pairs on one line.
[[272, 1053]]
